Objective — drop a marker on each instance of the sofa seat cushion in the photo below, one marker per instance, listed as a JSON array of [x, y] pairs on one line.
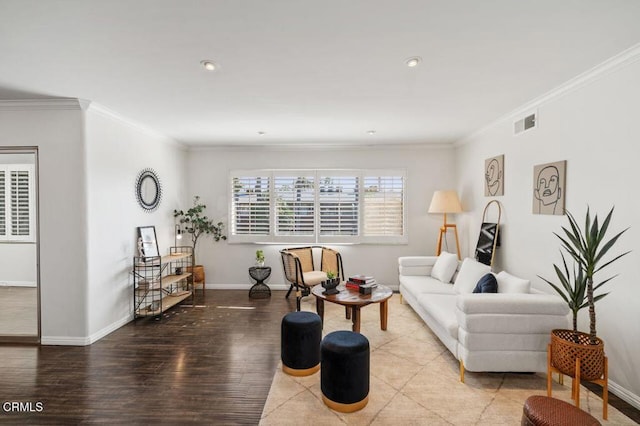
[[419, 285], [442, 307]]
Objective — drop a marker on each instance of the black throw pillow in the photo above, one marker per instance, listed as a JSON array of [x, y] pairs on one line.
[[487, 284]]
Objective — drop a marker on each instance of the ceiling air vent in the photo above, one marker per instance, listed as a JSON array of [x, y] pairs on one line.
[[526, 123]]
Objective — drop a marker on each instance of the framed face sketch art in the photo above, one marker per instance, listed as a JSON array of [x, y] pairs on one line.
[[147, 242], [549, 188], [494, 176]]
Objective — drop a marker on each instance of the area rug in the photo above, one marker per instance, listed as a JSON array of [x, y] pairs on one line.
[[415, 381]]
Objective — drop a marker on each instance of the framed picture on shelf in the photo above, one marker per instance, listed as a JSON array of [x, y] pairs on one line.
[[147, 242]]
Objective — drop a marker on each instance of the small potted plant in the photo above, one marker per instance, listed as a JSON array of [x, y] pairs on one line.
[[331, 283], [259, 257]]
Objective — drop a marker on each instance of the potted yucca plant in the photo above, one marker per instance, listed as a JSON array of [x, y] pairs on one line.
[[587, 247]]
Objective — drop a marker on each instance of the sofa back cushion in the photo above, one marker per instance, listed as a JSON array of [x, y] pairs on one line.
[[445, 267], [508, 283], [487, 284], [470, 273]]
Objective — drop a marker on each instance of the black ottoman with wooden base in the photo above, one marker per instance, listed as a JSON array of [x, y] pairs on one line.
[[344, 373], [301, 333], [545, 411]]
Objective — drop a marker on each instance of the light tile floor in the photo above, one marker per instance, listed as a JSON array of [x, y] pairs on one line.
[[415, 381]]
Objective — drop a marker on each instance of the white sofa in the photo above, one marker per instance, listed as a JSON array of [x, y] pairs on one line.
[[506, 331]]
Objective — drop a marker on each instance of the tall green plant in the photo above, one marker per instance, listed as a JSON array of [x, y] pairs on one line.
[[197, 224], [573, 289], [587, 247]]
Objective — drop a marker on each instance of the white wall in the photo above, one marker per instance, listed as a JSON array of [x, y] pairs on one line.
[[428, 169], [55, 127], [590, 123], [116, 152]]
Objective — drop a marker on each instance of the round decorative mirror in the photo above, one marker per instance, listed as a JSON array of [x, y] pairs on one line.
[[148, 190]]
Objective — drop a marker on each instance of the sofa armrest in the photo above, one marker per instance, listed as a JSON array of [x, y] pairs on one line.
[[416, 265], [512, 303]]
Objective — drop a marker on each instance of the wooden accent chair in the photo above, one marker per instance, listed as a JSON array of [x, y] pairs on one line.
[[299, 268]]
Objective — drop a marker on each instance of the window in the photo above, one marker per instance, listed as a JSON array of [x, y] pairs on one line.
[[317, 206], [16, 202]]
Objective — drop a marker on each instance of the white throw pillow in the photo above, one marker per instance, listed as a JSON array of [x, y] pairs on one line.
[[445, 267], [508, 283], [470, 273]]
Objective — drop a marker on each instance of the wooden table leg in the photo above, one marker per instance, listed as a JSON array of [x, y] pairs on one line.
[[320, 309], [355, 318], [384, 310], [347, 312]]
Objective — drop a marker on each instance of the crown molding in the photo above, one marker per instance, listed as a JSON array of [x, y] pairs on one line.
[[601, 70], [110, 114], [319, 147], [44, 104]]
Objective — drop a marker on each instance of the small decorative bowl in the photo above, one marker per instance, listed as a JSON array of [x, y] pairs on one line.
[[330, 286]]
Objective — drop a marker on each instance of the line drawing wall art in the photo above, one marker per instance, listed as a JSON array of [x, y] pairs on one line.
[[549, 188], [494, 176]]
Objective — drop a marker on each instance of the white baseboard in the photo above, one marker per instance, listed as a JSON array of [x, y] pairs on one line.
[[109, 329], [624, 394], [17, 283], [243, 286], [64, 341], [84, 341]]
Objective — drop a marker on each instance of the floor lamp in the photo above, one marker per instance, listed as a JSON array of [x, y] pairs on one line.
[[446, 202]]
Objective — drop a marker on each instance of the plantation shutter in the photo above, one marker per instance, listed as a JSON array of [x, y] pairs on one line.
[[20, 204], [3, 204], [338, 199], [295, 205], [250, 205], [16, 202], [383, 206], [317, 206]]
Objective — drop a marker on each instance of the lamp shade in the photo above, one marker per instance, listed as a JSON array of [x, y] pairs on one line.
[[445, 202]]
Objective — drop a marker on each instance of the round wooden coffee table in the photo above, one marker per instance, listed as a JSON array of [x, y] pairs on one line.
[[353, 301]]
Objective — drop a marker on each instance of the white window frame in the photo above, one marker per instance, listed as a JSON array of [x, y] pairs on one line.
[[316, 238], [30, 169]]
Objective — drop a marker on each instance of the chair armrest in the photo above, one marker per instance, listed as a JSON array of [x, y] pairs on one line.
[[416, 265]]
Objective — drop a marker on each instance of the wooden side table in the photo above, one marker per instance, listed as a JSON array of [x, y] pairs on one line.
[[260, 290]]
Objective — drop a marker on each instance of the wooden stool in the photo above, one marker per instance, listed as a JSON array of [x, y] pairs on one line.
[[544, 411]]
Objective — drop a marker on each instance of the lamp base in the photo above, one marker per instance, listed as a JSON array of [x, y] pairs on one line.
[[443, 233]]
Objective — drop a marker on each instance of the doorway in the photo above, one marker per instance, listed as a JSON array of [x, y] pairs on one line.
[[19, 246]]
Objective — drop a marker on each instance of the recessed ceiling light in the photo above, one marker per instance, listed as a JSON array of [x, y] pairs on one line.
[[209, 65], [371, 132], [414, 61]]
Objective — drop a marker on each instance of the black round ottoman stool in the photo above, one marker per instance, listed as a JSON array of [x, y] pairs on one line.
[[344, 373], [301, 333], [545, 411]]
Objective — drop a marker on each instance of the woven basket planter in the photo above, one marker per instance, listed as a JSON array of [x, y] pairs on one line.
[[567, 346], [198, 273]]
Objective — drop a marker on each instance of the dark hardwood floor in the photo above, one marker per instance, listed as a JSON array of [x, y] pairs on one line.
[[212, 364]]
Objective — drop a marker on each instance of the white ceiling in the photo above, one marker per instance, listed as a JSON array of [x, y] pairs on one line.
[[321, 72]]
